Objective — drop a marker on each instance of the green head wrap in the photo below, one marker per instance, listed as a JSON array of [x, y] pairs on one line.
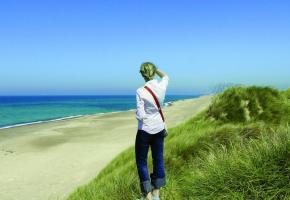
[[148, 70]]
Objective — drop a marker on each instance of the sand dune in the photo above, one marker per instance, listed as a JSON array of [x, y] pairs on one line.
[[50, 160]]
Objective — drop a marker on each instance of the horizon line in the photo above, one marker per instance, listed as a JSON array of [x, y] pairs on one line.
[[20, 95]]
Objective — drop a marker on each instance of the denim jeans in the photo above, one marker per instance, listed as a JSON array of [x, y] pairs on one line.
[[156, 179]]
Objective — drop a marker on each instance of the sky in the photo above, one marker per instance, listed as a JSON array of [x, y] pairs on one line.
[[69, 47]]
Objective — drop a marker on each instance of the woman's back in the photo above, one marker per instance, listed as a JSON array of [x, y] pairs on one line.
[[149, 118]]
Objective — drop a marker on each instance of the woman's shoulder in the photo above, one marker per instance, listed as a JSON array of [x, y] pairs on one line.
[[139, 90]]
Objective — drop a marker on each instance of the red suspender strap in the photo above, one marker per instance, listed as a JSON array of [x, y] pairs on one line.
[[156, 101]]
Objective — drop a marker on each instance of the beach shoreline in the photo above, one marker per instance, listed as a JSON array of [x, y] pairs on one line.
[[168, 103], [50, 160]]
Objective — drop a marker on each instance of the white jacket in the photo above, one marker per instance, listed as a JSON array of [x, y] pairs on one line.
[[147, 114]]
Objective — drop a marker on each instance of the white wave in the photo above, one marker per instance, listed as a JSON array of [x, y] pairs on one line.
[[41, 121]]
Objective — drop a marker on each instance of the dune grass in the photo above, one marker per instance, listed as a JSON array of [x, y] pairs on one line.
[[214, 157], [286, 93], [245, 104]]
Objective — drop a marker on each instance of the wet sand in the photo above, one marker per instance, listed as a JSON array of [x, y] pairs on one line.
[[50, 160]]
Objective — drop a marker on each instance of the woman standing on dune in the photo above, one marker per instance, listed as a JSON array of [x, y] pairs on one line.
[[151, 130]]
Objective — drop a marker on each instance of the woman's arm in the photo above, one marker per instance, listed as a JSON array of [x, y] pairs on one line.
[[160, 73], [164, 79], [140, 112]]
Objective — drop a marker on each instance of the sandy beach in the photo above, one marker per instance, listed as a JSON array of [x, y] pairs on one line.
[[50, 160]]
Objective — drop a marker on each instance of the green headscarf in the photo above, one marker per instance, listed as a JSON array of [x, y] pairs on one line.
[[148, 70]]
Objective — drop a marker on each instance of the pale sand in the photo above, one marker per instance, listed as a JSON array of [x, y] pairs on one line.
[[50, 160]]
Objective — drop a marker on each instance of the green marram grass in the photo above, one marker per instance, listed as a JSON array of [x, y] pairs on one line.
[[244, 104], [286, 93], [214, 157]]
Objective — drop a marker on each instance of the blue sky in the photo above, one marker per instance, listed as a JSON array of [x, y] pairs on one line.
[[96, 47]]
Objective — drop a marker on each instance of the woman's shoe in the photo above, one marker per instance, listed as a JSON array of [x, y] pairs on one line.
[[142, 198]]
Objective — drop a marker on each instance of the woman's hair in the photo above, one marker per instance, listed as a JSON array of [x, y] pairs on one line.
[[148, 70]]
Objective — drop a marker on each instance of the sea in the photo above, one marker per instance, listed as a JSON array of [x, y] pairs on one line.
[[25, 110]]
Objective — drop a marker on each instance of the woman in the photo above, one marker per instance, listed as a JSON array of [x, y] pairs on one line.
[[151, 129]]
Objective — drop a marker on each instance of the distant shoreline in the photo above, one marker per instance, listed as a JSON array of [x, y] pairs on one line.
[[168, 103]]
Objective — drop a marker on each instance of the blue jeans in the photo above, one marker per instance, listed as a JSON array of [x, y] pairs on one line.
[[142, 143]]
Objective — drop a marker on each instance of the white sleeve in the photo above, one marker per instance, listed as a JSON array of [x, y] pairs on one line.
[[140, 112], [164, 82]]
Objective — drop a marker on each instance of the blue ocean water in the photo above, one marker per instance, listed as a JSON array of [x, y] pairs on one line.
[[17, 110]]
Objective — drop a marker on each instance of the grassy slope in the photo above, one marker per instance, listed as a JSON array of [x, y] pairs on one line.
[[206, 158]]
